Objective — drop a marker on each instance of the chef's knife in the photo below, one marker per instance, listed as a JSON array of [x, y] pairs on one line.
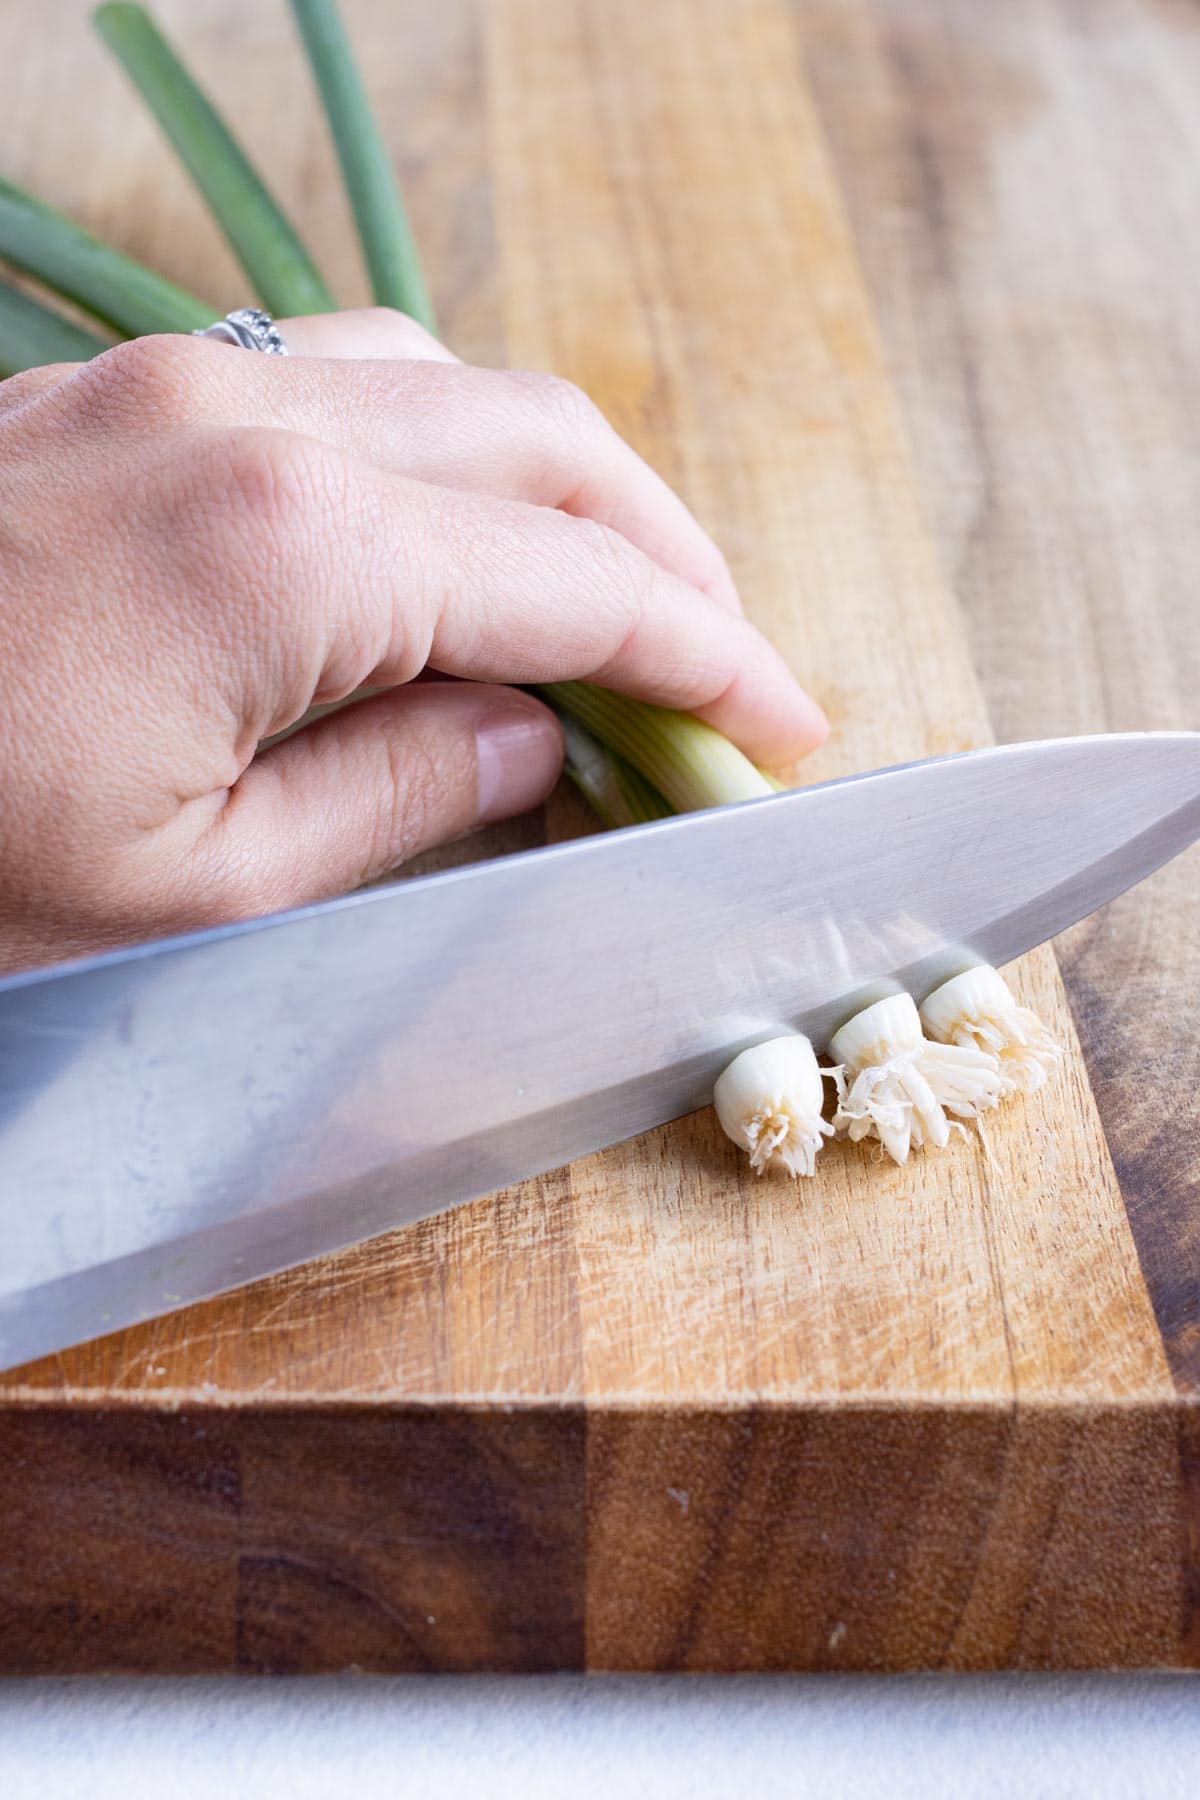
[[185, 1116]]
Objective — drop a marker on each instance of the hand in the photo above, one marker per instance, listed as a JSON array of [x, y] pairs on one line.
[[198, 543]]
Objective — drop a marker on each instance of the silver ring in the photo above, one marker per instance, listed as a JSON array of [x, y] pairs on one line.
[[248, 327]]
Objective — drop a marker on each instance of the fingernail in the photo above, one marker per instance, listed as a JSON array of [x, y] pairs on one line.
[[520, 754]]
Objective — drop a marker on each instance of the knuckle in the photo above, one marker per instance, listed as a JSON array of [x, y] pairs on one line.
[[566, 405], [166, 377], [625, 584], [244, 521], [275, 480], [416, 781], [610, 554], [619, 582]]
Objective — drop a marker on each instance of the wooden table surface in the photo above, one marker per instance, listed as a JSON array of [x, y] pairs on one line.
[[903, 297]]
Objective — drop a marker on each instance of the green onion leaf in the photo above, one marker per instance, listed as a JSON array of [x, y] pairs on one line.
[[30, 334], [688, 762], [383, 228], [283, 274], [132, 299]]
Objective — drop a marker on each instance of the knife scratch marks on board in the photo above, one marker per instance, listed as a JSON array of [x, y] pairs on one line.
[[173, 1352]]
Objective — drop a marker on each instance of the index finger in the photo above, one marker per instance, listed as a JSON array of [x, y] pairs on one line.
[[413, 575], [522, 435]]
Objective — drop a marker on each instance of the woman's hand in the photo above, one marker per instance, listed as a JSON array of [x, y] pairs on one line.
[[198, 543]]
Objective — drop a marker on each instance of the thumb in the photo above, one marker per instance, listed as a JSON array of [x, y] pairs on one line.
[[363, 789]]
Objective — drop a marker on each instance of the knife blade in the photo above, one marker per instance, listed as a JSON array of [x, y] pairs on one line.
[[188, 1115]]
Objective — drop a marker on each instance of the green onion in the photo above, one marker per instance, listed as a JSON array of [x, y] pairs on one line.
[[30, 334], [769, 1103], [978, 1010], [895, 1085], [642, 802], [132, 299], [265, 243], [383, 228], [688, 762], [614, 790]]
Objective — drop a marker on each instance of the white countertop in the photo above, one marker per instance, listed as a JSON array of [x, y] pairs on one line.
[[604, 1738]]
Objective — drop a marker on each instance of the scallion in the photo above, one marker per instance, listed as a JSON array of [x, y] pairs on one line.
[[688, 762], [897, 1086], [266, 244], [613, 788], [132, 299], [30, 334], [978, 1010], [383, 228], [769, 1102]]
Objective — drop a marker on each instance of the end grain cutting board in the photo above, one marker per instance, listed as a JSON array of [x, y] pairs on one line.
[[646, 1412]]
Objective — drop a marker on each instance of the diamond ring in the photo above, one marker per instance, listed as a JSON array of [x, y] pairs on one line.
[[248, 327]]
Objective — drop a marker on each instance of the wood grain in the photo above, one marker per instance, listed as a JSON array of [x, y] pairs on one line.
[[1022, 181], [649, 1413], [404, 1538]]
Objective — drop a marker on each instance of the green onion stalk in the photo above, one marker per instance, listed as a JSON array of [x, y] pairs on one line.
[[684, 760], [31, 334], [283, 274], [383, 228], [112, 287], [616, 792]]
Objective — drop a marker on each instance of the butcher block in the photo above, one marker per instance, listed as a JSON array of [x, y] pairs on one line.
[[903, 298]]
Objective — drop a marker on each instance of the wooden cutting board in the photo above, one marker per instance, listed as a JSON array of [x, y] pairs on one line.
[[857, 279]]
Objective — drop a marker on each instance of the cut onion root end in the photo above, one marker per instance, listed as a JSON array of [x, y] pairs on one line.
[[903, 1077]]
